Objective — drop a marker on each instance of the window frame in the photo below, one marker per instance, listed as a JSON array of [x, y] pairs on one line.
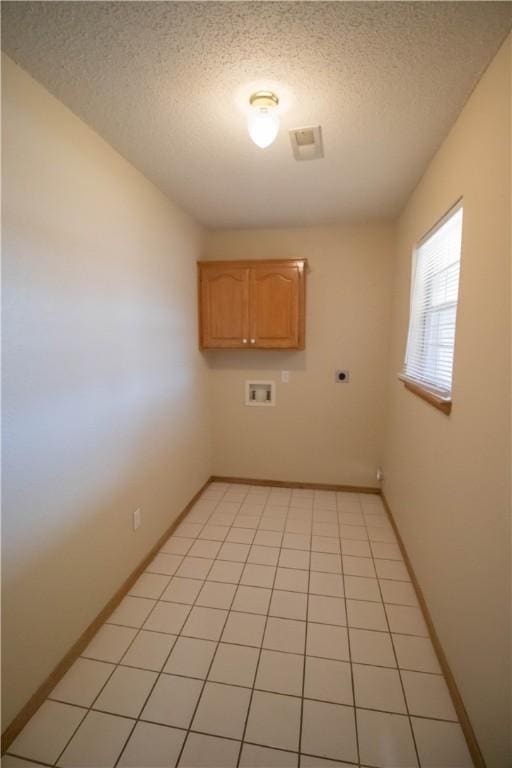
[[430, 393]]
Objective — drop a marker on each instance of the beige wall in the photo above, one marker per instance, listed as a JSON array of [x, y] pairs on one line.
[[319, 431], [447, 478], [104, 389]]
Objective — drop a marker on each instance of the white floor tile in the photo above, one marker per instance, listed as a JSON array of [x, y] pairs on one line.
[[326, 584], [216, 595], [351, 518], [325, 544], [391, 569], [385, 740], [361, 588], [150, 585], [244, 629], [378, 688], [194, 568], [47, 732], [98, 742], [149, 650], [260, 555], [222, 710], [237, 553], [126, 691], [291, 579], [258, 575], [288, 605], [296, 541], [191, 657], [294, 558], [427, 695], [271, 524], [380, 534], [188, 530], [167, 617], [398, 592], [109, 643], [355, 548], [234, 664], [274, 720], [328, 730], [132, 611], [285, 635], [208, 549], [365, 615], [280, 672], [182, 590], [415, 653], [240, 535], [173, 701], [406, 620], [268, 538], [82, 682], [152, 746], [177, 545], [209, 752], [297, 525], [358, 566], [252, 599], [263, 757], [247, 521], [225, 571], [353, 532], [328, 642], [328, 680], [368, 647], [214, 532], [441, 744], [386, 550], [325, 563], [205, 623], [10, 761], [164, 564], [327, 610]]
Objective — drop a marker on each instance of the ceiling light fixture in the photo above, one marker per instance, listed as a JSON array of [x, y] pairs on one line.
[[263, 121]]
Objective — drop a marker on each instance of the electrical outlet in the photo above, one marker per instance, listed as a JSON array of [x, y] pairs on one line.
[[380, 474], [137, 518], [285, 377]]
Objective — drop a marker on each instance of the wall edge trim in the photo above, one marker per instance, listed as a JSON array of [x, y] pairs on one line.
[[30, 708], [295, 484], [458, 703]]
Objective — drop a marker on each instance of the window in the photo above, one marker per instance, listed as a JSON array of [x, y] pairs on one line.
[[435, 287]]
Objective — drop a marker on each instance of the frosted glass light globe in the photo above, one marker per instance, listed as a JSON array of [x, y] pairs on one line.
[[263, 120]]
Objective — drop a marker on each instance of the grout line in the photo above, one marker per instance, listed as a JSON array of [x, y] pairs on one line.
[[356, 727], [305, 658], [199, 698], [399, 676], [260, 653]]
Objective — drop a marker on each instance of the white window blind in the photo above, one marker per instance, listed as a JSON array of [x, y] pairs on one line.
[[433, 315]]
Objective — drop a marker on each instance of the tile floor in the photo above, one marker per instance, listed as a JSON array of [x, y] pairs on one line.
[[276, 627]]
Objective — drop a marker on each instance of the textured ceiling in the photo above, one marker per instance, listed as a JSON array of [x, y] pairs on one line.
[[166, 83]]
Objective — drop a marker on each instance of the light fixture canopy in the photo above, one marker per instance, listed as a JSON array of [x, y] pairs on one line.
[[263, 121]]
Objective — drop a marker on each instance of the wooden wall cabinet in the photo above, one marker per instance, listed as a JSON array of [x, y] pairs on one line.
[[252, 304]]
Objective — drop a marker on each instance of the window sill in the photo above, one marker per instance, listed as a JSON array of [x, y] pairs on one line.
[[441, 403]]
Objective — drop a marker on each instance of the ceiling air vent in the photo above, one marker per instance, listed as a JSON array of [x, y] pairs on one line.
[[307, 143]]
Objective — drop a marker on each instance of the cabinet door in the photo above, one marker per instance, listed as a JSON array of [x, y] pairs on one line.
[[277, 306], [224, 318]]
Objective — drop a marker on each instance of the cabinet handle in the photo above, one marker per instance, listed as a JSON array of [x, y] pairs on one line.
[[244, 341], [253, 341]]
